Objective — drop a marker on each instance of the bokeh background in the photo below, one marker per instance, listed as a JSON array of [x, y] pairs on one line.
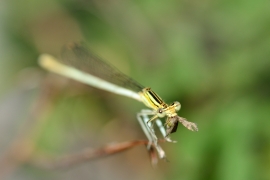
[[212, 56]]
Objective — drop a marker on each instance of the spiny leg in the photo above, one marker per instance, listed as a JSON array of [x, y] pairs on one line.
[[145, 129], [149, 131], [142, 118], [161, 127]]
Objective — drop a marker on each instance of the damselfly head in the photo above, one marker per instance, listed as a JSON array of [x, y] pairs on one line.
[[170, 110], [176, 105]]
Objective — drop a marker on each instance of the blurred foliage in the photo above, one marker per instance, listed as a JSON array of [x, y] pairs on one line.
[[212, 56]]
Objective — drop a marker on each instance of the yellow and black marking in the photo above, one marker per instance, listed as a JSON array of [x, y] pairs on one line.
[[151, 99]]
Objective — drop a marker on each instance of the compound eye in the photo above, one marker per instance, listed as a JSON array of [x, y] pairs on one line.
[[177, 105], [161, 113]]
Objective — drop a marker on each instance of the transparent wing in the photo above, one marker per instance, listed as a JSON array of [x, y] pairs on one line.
[[80, 57]]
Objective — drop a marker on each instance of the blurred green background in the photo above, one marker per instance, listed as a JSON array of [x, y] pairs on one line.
[[212, 56]]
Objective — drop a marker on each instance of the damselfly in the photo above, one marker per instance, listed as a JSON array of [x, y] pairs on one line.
[[80, 64]]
